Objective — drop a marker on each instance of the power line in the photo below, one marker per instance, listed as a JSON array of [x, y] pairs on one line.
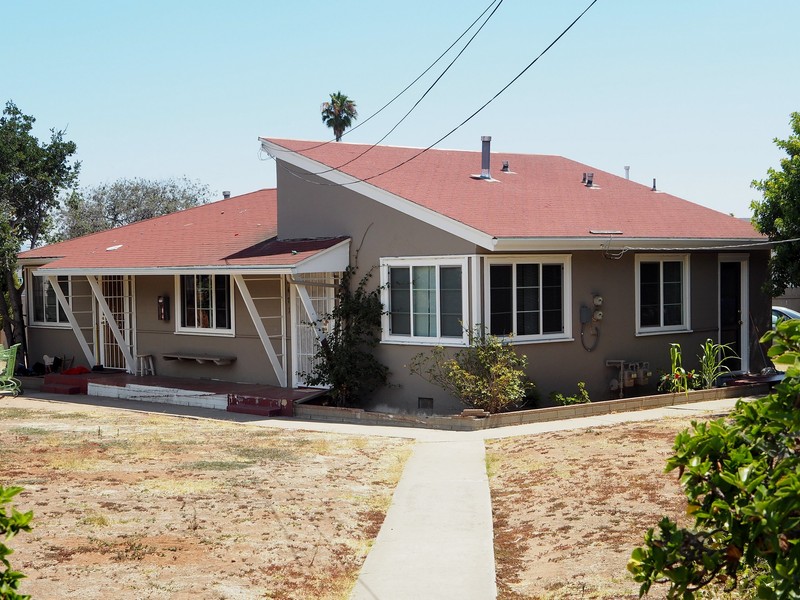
[[420, 76], [421, 98], [464, 122]]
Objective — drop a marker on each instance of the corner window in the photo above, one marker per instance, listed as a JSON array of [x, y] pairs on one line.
[[662, 293], [44, 304], [425, 299], [205, 303], [528, 297]]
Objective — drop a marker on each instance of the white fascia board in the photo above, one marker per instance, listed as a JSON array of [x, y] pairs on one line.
[[617, 243], [208, 270], [412, 209], [333, 260]]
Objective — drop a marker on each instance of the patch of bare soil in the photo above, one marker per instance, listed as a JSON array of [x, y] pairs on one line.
[[569, 507], [131, 505]]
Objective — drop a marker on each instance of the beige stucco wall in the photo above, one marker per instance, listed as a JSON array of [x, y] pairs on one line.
[[159, 337], [306, 209]]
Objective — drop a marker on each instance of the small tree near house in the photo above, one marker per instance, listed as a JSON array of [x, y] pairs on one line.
[[345, 362], [487, 374]]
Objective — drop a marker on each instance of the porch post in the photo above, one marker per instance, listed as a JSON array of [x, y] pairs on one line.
[[277, 367], [112, 323], [62, 300]]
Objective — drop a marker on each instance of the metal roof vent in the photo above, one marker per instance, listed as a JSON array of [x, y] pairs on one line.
[[226, 194], [589, 179], [486, 144], [505, 166], [654, 185]]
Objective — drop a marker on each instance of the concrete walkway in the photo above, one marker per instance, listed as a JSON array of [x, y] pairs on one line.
[[437, 539]]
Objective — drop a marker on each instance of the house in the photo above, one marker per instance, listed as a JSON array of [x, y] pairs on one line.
[[207, 292], [591, 275]]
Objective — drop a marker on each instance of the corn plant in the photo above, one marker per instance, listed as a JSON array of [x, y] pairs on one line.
[[678, 379], [712, 363]]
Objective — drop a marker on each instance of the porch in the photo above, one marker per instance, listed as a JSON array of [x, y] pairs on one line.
[[246, 398]]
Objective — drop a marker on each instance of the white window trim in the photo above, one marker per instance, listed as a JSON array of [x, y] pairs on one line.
[[32, 308], [685, 326], [179, 329], [418, 261], [565, 260]]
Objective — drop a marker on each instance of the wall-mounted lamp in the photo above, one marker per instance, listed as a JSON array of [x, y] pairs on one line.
[[163, 308]]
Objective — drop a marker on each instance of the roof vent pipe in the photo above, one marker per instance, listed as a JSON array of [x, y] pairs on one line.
[[589, 179], [505, 166], [627, 172], [486, 143], [226, 194], [654, 184]]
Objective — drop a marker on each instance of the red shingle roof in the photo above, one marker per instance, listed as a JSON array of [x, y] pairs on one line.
[[239, 231], [542, 196]]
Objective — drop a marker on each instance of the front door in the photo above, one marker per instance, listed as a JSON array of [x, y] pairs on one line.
[[734, 311], [304, 338], [118, 295]]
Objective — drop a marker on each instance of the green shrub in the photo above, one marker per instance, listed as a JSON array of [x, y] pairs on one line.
[[741, 477], [10, 524], [487, 374], [582, 397]]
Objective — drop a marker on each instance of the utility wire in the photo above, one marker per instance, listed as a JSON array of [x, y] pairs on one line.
[[464, 122], [436, 81], [420, 76]]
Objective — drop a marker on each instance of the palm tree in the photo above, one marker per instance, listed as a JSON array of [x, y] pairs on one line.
[[339, 114]]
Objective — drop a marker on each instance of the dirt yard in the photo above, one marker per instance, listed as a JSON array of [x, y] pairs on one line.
[[569, 508], [134, 505]]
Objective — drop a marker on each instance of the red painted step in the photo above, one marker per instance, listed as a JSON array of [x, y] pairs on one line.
[[60, 388]]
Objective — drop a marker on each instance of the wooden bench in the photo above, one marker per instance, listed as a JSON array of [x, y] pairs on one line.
[[200, 358]]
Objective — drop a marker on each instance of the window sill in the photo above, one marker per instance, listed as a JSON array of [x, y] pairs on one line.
[[515, 341], [663, 332], [38, 325], [207, 332], [449, 342]]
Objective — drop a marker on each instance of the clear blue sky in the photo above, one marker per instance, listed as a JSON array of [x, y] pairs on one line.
[[690, 92]]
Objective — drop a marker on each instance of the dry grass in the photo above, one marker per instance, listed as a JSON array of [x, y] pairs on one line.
[[132, 505], [569, 508]]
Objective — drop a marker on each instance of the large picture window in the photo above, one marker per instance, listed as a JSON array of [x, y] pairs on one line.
[[44, 303], [425, 299], [662, 293], [206, 303], [528, 297]]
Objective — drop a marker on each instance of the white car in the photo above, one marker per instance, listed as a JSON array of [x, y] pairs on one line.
[[780, 313]]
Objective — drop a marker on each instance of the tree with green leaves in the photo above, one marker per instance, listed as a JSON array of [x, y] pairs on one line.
[[33, 175], [339, 114], [126, 201], [741, 477], [778, 214], [345, 362]]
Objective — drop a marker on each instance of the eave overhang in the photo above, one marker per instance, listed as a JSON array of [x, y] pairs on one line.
[[615, 242], [331, 260]]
